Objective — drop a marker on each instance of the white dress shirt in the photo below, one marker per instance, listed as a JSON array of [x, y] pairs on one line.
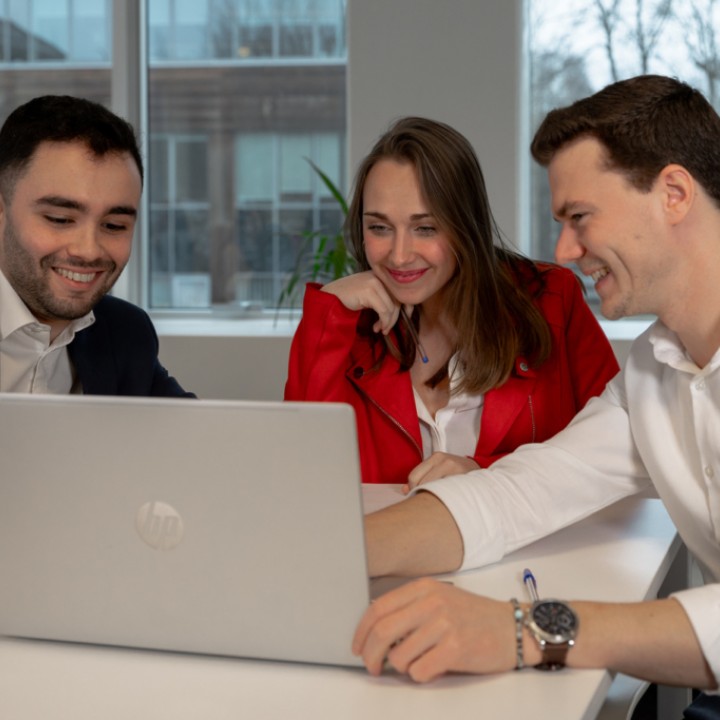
[[658, 421], [455, 429], [29, 362]]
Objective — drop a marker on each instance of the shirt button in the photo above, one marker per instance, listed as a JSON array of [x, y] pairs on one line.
[[700, 385], [709, 472], [524, 366]]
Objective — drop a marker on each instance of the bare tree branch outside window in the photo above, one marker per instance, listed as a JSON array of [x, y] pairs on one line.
[[579, 46]]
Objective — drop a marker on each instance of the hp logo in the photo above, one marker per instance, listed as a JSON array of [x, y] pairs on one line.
[[159, 525]]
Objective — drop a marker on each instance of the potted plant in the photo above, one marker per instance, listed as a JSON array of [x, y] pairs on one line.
[[329, 260]]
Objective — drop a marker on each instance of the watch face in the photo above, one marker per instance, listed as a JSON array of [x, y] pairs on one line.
[[555, 620]]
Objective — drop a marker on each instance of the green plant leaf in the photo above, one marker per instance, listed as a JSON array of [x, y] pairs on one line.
[[330, 185], [329, 261]]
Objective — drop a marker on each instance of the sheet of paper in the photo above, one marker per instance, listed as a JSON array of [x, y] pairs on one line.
[[376, 497]]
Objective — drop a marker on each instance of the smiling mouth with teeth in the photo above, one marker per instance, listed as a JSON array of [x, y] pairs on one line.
[[76, 276], [599, 274]]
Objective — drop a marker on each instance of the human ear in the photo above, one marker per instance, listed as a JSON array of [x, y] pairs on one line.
[[678, 188]]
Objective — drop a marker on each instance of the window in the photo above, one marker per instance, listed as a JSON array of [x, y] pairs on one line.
[[179, 29], [246, 29], [54, 31], [50, 46], [241, 92], [578, 47], [278, 198], [179, 210]]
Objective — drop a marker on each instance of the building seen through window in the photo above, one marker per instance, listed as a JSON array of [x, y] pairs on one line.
[[50, 46], [579, 46], [240, 93], [53, 30]]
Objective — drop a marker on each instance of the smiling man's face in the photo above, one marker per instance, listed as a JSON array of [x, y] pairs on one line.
[[614, 233], [66, 230]]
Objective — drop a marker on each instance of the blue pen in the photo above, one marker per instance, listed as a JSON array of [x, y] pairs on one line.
[[414, 335], [530, 584]]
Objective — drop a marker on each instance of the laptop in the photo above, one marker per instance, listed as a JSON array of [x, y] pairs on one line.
[[203, 526]]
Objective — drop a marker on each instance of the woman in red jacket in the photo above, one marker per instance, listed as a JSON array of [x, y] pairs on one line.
[[452, 349]]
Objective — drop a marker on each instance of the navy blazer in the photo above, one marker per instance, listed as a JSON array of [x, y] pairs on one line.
[[118, 354]]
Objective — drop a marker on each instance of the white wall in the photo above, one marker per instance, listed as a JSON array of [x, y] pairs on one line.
[[227, 366], [243, 368], [457, 61]]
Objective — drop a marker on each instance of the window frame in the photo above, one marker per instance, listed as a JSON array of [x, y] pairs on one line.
[[129, 84]]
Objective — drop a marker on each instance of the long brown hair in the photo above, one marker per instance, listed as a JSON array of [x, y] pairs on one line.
[[490, 297]]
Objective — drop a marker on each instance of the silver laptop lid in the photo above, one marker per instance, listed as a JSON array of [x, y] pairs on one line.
[[219, 527]]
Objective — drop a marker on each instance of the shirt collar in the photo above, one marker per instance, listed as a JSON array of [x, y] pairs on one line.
[[460, 401], [668, 349], [14, 313]]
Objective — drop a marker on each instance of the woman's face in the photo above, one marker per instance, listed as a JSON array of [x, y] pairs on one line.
[[404, 244]]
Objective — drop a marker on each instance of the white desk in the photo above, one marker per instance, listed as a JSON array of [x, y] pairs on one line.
[[621, 554]]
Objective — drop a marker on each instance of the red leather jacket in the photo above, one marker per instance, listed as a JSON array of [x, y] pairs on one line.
[[331, 362]]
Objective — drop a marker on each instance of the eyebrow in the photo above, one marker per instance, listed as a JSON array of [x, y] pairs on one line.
[[58, 201], [383, 216], [565, 210]]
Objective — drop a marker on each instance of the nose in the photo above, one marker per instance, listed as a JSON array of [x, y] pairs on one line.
[[402, 248], [85, 243], [567, 247]]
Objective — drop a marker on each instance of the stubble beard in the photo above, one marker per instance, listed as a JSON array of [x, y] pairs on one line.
[[31, 280]]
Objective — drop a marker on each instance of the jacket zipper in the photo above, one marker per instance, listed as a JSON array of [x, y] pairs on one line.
[[393, 421]]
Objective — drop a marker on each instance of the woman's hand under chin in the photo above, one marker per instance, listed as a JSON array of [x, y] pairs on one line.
[[364, 290]]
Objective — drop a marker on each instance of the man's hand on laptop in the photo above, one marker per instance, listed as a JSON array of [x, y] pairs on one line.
[[427, 628]]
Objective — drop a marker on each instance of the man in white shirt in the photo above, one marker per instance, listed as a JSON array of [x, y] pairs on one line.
[[634, 172], [71, 176]]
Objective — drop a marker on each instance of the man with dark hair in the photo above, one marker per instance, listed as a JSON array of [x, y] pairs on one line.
[[634, 174], [71, 177]]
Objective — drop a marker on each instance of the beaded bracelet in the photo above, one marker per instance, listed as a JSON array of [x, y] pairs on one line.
[[519, 616]]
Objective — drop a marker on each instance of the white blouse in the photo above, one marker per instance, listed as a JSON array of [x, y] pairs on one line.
[[455, 429]]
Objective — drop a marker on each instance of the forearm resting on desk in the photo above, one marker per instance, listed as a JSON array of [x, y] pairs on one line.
[[428, 628], [650, 640], [415, 537]]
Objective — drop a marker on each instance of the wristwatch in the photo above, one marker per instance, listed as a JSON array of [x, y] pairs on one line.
[[554, 625]]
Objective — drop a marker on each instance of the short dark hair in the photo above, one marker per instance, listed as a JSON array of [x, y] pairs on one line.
[[644, 123], [61, 118]]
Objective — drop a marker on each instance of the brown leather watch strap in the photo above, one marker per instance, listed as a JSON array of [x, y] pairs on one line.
[[554, 657]]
